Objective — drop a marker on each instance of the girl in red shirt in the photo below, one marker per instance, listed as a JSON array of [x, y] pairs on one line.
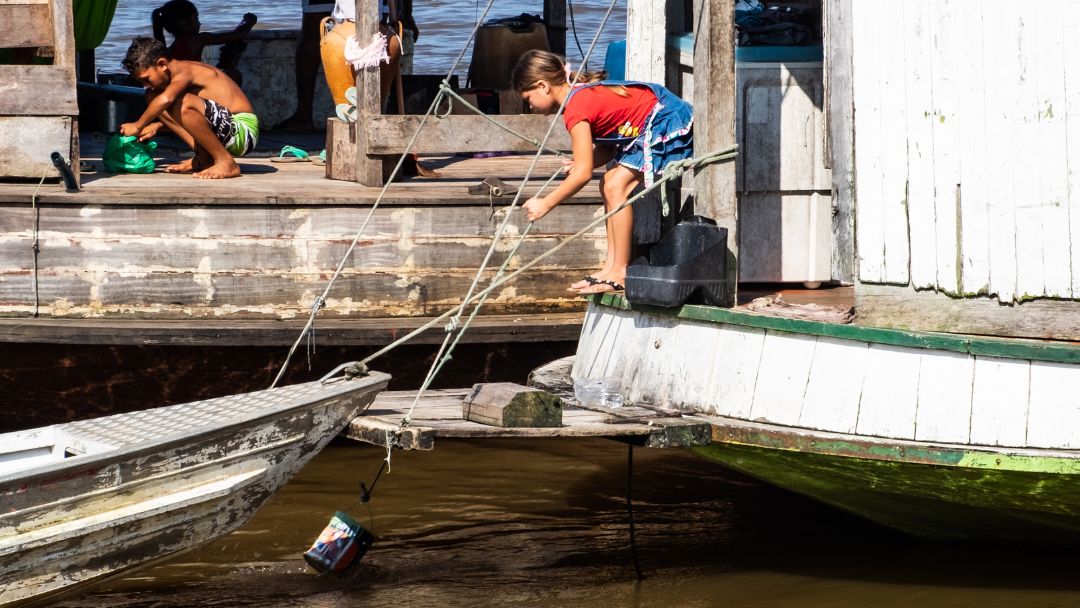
[[639, 127]]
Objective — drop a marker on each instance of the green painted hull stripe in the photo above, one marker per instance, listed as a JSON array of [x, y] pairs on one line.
[[1009, 348]]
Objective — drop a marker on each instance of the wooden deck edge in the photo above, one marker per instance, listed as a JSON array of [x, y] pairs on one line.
[[536, 327], [431, 420], [1009, 348]]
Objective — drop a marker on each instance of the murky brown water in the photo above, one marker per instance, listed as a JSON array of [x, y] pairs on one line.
[[543, 523]]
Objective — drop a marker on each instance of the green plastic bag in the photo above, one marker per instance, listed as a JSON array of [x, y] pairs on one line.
[[123, 154]]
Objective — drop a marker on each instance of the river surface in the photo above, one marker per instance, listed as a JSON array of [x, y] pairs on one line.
[[444, 26], [543, 523]]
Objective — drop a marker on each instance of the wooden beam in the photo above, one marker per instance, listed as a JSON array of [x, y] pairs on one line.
[[63, 34], [486, 329], [25, 25], [714, 127], [646, 40], [27, 141], [37, 90], [555, 22], [902, 307], [369, 168], [390, 134], [839, 124]]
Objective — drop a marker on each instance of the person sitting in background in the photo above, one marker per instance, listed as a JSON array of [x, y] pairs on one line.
[[181, 19], [198, 102], [306, 66]]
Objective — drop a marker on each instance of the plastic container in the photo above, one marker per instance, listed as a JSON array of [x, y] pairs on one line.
[[605, 392], [689, 260], [615, 60]]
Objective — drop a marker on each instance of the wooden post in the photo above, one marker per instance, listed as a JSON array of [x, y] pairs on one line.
[[839, 124], [714, 125], [555, 22], [646, 40], [369, 168]]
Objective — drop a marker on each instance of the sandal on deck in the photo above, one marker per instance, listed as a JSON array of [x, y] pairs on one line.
[[595, 282], [291, 154], [319, 160]]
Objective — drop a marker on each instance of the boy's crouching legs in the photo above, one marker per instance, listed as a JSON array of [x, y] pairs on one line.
[[212, 160]]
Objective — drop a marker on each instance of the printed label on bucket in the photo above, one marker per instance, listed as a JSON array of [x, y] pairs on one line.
[[341, 542]]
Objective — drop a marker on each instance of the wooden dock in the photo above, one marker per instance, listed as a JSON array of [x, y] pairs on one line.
[[439, 414], [170, 259]]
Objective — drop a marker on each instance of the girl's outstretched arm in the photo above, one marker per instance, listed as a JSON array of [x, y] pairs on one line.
[[581, 144], [241, 32]]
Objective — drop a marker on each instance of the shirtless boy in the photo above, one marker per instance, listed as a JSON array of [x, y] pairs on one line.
[[199, 103]]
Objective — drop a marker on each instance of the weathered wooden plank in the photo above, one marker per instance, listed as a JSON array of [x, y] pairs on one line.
[[389, 134], [944, 65], [1071, 23], [944, 407], [801, 255], [680, 377], [999, 402], [26, 25], [901, 308], [831, 401], [24, 90], [890, 392], [840, 125], [1054, 406], [237, 222], [714, 88], [974, 147], [783, 372], [869, 224], [369, 168], [341, 150], [168, 295], [371, 430], [1001, 65], [646, 40], [892, 70], [1031, 272], [506, 404], [1049, 68], [27, 141], [187, 255], [920, 145], [330, 331], [735, 370]]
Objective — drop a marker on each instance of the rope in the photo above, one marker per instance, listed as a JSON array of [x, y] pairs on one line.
[[452, 94], [440, 358], [393, 175], [37, 243], [700, 161], [630, 508]]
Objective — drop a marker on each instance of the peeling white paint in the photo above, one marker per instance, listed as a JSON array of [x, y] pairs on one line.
[[193, 213], [90, 211]]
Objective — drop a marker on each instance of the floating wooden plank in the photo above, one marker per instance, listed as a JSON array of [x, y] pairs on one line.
[[438, 414]]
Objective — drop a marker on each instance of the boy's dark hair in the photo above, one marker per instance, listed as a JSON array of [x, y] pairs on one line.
[[143, 53]]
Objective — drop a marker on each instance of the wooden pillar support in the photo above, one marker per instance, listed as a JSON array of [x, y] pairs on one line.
[[369, 167], [555, 22], [714, 127], [646, 40], [840, 124]]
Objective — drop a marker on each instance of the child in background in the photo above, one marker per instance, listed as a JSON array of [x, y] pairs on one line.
[[181, 19], [199, 103], [640, 127]]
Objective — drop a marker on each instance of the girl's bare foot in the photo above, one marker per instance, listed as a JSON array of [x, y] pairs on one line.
[[220, 170]]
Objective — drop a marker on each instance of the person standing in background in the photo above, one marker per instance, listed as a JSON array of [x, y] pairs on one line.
[[307, 63]]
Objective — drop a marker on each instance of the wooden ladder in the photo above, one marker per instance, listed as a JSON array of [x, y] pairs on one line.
[[38, 110]]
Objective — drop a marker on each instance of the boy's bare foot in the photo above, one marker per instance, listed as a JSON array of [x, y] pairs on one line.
[[220, 170], [186, 166]]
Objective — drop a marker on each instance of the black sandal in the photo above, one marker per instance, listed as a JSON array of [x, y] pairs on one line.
[[593, 281]]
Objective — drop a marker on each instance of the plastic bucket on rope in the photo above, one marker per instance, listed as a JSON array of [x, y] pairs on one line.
[[342, 542]]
